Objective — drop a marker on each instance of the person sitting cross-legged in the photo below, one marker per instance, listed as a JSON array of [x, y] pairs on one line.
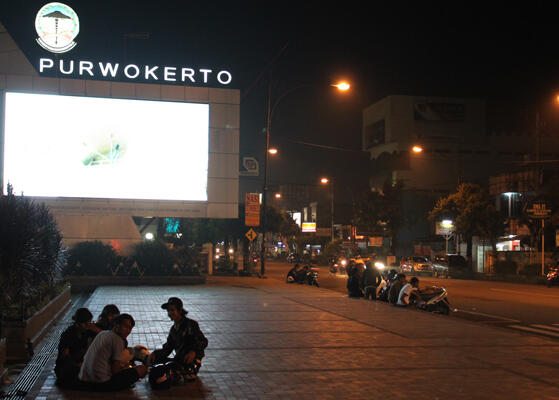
[[72, 347], [188, 342], [105, 367]]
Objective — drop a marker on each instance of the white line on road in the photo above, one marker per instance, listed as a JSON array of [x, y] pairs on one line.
[[552, 328], [489, 315], [534, 330], [524, 293]]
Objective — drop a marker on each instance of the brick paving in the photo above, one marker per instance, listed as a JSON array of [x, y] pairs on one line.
[[270, 340]]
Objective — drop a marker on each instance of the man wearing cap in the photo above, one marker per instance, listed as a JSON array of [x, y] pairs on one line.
[[186, 339]]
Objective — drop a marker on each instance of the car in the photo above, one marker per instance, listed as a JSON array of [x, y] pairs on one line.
[[440, 266], [414, 264], [455, 264]]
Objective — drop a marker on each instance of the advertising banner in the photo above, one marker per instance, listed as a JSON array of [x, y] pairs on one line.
[[252, 209]]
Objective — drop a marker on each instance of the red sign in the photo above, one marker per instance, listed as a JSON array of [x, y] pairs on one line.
[[252, 209]]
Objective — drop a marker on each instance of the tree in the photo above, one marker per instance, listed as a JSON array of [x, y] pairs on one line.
[[31, 249], [474, 214]]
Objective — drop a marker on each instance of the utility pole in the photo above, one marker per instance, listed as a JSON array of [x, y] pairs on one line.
[[265, 187]]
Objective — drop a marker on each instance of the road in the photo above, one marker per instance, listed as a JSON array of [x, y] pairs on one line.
[[530, 308]]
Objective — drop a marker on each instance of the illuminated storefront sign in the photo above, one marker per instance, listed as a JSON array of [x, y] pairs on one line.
[[58, 25], [309, 227], [90, 69]]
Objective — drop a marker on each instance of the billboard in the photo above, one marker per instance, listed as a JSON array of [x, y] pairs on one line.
[[105, 148]]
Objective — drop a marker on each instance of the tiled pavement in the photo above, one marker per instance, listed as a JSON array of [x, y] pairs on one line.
[[270, 340]]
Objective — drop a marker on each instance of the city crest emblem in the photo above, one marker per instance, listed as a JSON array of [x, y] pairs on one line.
[[57, 26]]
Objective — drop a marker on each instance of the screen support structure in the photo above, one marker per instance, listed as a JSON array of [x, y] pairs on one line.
[[2, 121]]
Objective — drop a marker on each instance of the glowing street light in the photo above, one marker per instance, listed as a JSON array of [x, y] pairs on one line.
[[149, 236], [324, 180], [417, 149], [273, 151], [342, 86], [277, 195]]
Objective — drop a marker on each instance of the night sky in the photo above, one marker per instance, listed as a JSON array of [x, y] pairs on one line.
[[503, 53]]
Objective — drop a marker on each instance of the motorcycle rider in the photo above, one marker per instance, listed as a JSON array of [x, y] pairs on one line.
[[370, 280], [409, 292], [395, 288]]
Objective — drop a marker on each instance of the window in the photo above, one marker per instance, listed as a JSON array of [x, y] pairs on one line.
[[375, 134]]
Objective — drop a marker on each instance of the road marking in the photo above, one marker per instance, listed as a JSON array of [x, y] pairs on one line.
[[489, 315], [552, 328], [535, 330], [524, 293]]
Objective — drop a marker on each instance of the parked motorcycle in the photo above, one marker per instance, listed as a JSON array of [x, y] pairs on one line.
[[435, 300], [306, 275], [312, 277], [388, 278]]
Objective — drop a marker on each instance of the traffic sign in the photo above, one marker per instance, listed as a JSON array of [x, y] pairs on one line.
[[251, 235]]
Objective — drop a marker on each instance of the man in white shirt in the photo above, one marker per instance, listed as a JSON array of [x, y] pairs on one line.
[[103, 367], [408, 291]]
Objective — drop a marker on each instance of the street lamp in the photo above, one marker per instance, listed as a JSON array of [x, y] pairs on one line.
[[341, 86], [277, 195], [325, 181], [417, 149]]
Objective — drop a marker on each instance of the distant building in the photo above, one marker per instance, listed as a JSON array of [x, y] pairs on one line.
[[457, 144]]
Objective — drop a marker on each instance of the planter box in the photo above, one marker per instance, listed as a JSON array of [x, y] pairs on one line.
[[17, 333], [89, 283]]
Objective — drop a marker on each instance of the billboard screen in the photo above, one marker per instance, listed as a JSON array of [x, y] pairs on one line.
[[91, 147]]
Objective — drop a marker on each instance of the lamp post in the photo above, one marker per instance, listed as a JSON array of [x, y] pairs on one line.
[[326, 181], [342, 86]]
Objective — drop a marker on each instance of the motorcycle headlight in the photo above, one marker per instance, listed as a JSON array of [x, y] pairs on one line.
[[344, 262], [379, 265]]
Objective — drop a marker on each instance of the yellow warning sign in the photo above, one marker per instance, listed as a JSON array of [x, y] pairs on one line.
[[251, 235]]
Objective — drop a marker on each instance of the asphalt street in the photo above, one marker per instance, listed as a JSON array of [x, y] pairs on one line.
[[525, 307]]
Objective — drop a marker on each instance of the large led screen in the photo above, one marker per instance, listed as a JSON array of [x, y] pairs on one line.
[[89, 147]]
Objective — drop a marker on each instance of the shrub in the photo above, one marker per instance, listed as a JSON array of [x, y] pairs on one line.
[[531, 270], [31, 250], [154, 258], [91, 258], [505, 267]]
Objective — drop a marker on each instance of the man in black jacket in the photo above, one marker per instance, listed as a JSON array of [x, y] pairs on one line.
[[370, 280], [186, 339]]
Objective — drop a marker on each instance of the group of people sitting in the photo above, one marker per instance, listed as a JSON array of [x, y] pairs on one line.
[[96, 356], [297, 274], [364, 282]]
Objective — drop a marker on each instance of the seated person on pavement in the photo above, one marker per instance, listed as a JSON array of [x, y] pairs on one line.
[[292, 274], [395, 288], [72, 348], [410, 292], [188, 342], [105, 320], [105, 366]]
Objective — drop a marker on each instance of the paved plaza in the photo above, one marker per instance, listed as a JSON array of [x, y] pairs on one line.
[[271, 340]]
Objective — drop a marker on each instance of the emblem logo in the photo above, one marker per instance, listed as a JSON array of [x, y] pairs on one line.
[[57, 26]]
